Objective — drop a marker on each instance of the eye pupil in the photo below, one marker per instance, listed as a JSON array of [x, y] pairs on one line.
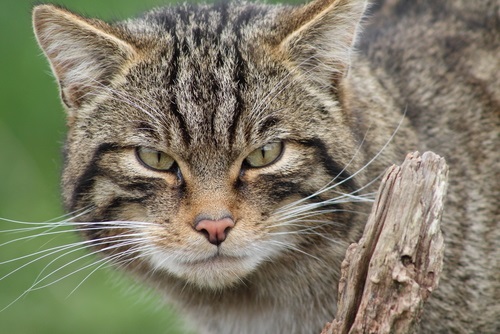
[[265, 155], [153, 159]]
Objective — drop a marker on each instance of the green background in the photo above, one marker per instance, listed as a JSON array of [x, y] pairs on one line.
[[31, 134], [32, 128]]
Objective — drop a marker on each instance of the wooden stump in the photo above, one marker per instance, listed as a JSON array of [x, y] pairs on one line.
[[388, 275]]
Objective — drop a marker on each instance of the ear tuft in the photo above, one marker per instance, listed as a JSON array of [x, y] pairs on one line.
[[321, 37], [84, 54]]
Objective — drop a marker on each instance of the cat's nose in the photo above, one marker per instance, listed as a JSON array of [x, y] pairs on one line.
[[215, 230]]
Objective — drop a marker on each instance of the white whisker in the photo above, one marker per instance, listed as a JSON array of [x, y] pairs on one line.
[[293, 248], [51, 252], [109, 225], [108, 248], [118, 242], [51, 221], [113, 260]]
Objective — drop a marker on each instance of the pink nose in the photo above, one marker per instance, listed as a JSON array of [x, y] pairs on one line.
[[215, 230]]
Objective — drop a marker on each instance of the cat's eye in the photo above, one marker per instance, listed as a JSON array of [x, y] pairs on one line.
[[265, 155], [155, 159]]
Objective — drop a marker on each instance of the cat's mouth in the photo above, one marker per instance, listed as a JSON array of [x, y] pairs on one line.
[[213, 260], [213, 271]]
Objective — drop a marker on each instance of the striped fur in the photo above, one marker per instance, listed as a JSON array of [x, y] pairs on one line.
[[208, 85]]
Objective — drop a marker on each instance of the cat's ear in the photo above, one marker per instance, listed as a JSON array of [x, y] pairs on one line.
[[319, 38], [84, 54]]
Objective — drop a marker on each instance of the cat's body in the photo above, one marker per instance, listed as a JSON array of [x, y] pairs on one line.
[[442, 61], [212, 85]]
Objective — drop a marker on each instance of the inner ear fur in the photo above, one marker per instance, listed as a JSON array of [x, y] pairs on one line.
[[84, 54], [319, 39]]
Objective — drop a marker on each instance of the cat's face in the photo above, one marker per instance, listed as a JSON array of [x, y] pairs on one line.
[[200, 147]]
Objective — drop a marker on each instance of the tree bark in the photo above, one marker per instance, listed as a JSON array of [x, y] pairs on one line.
[[387, 276]]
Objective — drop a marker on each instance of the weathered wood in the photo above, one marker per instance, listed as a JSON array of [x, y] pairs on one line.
[[391, 271]]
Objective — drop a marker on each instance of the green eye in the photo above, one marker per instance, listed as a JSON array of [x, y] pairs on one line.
[[155, 159], [265, 155]]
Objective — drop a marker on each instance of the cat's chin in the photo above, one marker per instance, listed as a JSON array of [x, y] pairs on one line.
[[214, 272]]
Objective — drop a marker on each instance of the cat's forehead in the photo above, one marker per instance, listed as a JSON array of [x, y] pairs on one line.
[[211, 20], [209, 79]]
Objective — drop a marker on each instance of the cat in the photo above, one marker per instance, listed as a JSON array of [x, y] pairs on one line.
[[227, 154]]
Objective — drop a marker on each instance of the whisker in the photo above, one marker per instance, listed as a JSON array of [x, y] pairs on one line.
[[319, 234], [68, 223], [118, 245], [306, 218], [116, 240], [106, 261], [51, 221], [49, 252], [302, 227], [294, 207], [113, 260], [393, 134], [50, 232], [293, 248], [57, 249]]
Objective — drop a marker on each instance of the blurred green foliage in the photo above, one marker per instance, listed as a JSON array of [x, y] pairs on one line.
[[31, 135]]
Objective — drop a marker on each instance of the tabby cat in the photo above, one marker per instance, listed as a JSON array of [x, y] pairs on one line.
[[227, 154]]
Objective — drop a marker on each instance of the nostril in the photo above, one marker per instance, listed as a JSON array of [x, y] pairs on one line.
[[215, 230], [204, 232]]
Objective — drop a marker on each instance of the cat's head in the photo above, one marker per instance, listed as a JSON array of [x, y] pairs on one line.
[[204, 141]]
